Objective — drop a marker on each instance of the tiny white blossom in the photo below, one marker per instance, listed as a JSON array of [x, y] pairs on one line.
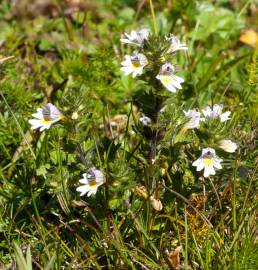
[[134, 64], [195, 118], [168, 79], [45, 117], [175, 44], [208, 161], [145, 120], [216, 112], [228, 146], [75, 115], [136, 37], [91, 181]]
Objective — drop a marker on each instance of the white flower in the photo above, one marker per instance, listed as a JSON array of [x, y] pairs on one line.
[[228, 146], [168, 79], [208, 161], [195, 118], [136, 37], [91, 180], [215, 112], [46, 117], [145, 120], [175, 44], [134, 64]]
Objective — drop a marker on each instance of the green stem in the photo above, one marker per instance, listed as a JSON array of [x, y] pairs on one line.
[[234, 214], [153, 18], [214, 188], [186, 237], [148, 214], [234, 205], [42, 230], [59, 154]]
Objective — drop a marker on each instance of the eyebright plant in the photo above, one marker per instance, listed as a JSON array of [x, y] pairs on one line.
[[155, 63], [145, 157], [160, 63]]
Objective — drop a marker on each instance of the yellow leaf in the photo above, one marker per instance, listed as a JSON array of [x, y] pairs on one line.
[[249, 37]]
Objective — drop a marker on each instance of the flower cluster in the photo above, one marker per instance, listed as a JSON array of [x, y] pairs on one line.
[[134, 64], [158, 58], [208, 160], [46, 117], [209, 114], [158, 63]]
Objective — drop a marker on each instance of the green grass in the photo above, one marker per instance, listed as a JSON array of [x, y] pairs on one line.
[[71, 56]]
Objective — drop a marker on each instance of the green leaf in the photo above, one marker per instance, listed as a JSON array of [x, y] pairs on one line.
[[42, 170], [21, 262], [50, 263]]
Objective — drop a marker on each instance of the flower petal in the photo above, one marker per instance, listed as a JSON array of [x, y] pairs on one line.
[[83, 189], [217, 164], [35, 123], [92, 191], [84, 181], [208, 170], [225, 116], [38, 115], [199, 164], [208, 150], [47, 126], [217, 110], [207, 111]]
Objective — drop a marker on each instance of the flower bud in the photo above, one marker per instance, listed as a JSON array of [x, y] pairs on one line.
[[156, 203], [228, 146]]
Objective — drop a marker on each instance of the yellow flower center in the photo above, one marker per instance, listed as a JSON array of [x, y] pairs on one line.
[[166, 80], [136, 65], [208, 162], [92, 183], [46, 121], [162, 59]]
